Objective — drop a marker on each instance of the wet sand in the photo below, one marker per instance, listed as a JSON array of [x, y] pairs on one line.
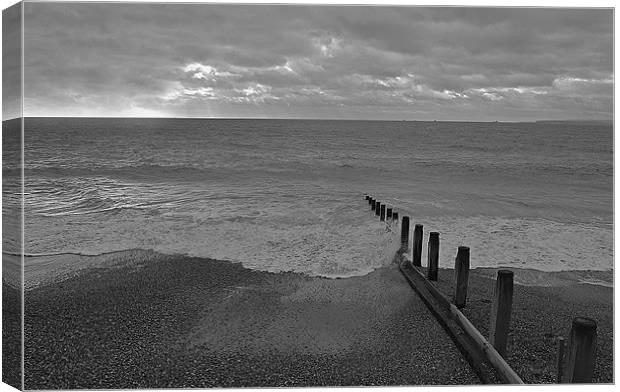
[[544, 304], [147, 320]]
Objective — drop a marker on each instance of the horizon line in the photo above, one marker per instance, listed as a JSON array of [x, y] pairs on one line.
[[318, 119]]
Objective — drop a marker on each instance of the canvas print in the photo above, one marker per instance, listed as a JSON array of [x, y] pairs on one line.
[[247, 195]]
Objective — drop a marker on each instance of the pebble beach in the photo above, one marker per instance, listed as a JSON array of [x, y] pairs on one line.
[[141, 319], [148, 320]]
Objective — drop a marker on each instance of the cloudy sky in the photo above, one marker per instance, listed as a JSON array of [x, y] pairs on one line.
[[207, 60]]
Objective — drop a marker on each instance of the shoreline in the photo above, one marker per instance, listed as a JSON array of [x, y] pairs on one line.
[[56, 267]]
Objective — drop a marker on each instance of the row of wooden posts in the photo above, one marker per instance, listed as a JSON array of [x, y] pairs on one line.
[[581, 353]]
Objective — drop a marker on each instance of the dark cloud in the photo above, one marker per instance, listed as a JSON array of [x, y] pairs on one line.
[[317, 61]]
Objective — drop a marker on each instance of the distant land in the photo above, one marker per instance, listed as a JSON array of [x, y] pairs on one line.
[[576, 121]]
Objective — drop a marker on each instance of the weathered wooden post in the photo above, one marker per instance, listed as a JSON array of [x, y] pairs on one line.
[[461, 276], [378, 208], [500, 312], [581, 351], [370, 200], [560, 364], [395, 216], [388, 214], [382, 212], [373, 204], [404, 233], [418, 232], [433, 255]]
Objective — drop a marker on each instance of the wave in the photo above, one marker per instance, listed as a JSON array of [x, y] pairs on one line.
[[151, 171], [480, 167], [306, 236], [101, 195], [66, 253]]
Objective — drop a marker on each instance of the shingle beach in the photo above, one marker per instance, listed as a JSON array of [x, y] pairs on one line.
[[153, 321]]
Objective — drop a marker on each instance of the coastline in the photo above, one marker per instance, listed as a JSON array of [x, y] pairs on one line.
[[45, 269]]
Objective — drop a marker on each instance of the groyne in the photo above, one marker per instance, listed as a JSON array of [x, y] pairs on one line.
[[575, 359]]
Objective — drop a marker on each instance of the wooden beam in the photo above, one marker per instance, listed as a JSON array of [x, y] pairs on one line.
[[483, 358]]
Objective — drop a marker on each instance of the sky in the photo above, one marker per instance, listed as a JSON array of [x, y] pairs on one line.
[[261, 61], [11, 62]]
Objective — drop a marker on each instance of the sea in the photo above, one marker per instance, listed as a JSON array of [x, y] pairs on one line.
[[288, 195]]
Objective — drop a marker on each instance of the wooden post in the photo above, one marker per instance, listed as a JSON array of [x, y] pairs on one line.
[[382, 212], [560, 363], [500, 312], [418, 232], [433, 255], [581, 351], [373, 204], [370, 200], [404, 233], [395, 216], [366, 197], [461, 276], [378, 208], [388, 214]]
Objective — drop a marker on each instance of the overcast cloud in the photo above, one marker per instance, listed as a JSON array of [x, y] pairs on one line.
[[307, 61]]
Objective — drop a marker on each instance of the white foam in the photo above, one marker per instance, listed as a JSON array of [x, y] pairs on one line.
[[324, 239], [522, 243], [335, 239]]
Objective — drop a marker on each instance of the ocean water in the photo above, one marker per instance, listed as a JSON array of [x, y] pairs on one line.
[[287, 195]]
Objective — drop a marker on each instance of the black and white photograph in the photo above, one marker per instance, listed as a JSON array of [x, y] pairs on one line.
[[227, 195]]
